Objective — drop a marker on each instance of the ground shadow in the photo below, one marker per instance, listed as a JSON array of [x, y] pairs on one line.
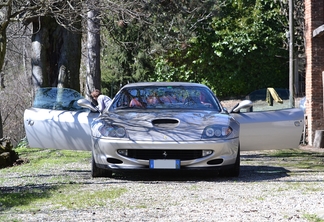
[[247, 174]]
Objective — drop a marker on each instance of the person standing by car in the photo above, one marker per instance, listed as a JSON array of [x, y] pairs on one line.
[[102, 100]]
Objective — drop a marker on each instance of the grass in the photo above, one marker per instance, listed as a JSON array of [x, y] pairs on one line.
[[64, 196], [44, 187], [51, 156], [298, 158], [23, 198], [46, 158], [313, 218]]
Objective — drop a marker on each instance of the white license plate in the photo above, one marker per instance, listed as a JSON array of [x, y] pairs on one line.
[[165, 164]]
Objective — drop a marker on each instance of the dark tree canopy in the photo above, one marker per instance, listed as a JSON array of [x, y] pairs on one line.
[[239, 50], [133, 41]]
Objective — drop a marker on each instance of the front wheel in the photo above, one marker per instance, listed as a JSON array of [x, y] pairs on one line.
[[99, 172], [235, 171]]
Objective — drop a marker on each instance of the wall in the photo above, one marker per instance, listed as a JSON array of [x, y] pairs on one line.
[[314, 20]]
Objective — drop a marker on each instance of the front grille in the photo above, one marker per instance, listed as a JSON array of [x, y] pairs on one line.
[[165, 154]]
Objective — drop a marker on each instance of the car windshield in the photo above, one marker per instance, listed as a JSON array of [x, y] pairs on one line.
[[57, 99], [166, 97]]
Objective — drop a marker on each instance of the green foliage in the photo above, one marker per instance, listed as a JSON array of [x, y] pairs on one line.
[[235, 52], [124, 56], [233, 46], [132, 42]]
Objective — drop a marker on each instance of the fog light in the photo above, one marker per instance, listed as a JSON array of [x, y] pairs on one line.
[[123, 152], [206, 152]]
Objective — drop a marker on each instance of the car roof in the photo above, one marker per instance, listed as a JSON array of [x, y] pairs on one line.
[[140, 84]]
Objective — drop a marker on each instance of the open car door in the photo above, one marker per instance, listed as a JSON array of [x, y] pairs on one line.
[[269, 130], [56, 121]]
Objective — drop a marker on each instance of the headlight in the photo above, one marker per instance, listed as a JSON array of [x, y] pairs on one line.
[[216, 131], [209, 132], [101, 128]]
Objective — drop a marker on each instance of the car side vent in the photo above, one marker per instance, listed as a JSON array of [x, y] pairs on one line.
[[215, 161], [165, 122], [113, 160]]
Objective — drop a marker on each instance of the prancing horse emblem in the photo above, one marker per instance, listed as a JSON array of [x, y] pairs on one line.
[[165, 154]]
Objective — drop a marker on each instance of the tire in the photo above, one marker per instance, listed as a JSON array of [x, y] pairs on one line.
[[98, 172], [235, 171]]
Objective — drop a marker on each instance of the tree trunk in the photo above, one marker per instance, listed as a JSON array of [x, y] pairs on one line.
[[3, 48], [93, 61], [1, 128], [55, 48], [4, 22], [5, 14]]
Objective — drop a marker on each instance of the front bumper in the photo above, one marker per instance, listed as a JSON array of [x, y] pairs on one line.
[[106, 156]]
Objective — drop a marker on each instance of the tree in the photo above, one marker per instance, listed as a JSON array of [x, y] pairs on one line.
[[56, 44], [235, 52], [3, 44], [125, 55], [55, 23], [5, 15], [137, 32], [1, 129], [56, 55], [93, 80]]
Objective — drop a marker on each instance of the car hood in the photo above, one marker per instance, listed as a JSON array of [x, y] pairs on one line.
[[168, 126]]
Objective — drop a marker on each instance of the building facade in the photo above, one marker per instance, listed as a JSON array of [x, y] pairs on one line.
[[314, 49]]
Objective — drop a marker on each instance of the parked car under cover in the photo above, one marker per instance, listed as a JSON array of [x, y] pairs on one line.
[[158, 126]]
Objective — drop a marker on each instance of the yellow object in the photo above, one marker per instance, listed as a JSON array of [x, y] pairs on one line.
[[273, 95]]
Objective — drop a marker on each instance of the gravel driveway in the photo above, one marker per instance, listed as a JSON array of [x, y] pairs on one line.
[[270, 188]]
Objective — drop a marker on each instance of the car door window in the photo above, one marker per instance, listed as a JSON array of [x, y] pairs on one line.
[[268, 99], [57, 99]]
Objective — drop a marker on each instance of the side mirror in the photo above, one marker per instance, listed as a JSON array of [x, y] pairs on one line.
[[245, 104], [87, 104]]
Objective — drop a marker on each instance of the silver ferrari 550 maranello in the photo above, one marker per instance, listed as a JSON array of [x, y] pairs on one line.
[[158, 126]]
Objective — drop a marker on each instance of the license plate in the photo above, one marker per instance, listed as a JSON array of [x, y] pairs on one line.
[[165, 164]]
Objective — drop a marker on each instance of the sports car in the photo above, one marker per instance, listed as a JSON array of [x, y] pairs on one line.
[[154, 126]]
